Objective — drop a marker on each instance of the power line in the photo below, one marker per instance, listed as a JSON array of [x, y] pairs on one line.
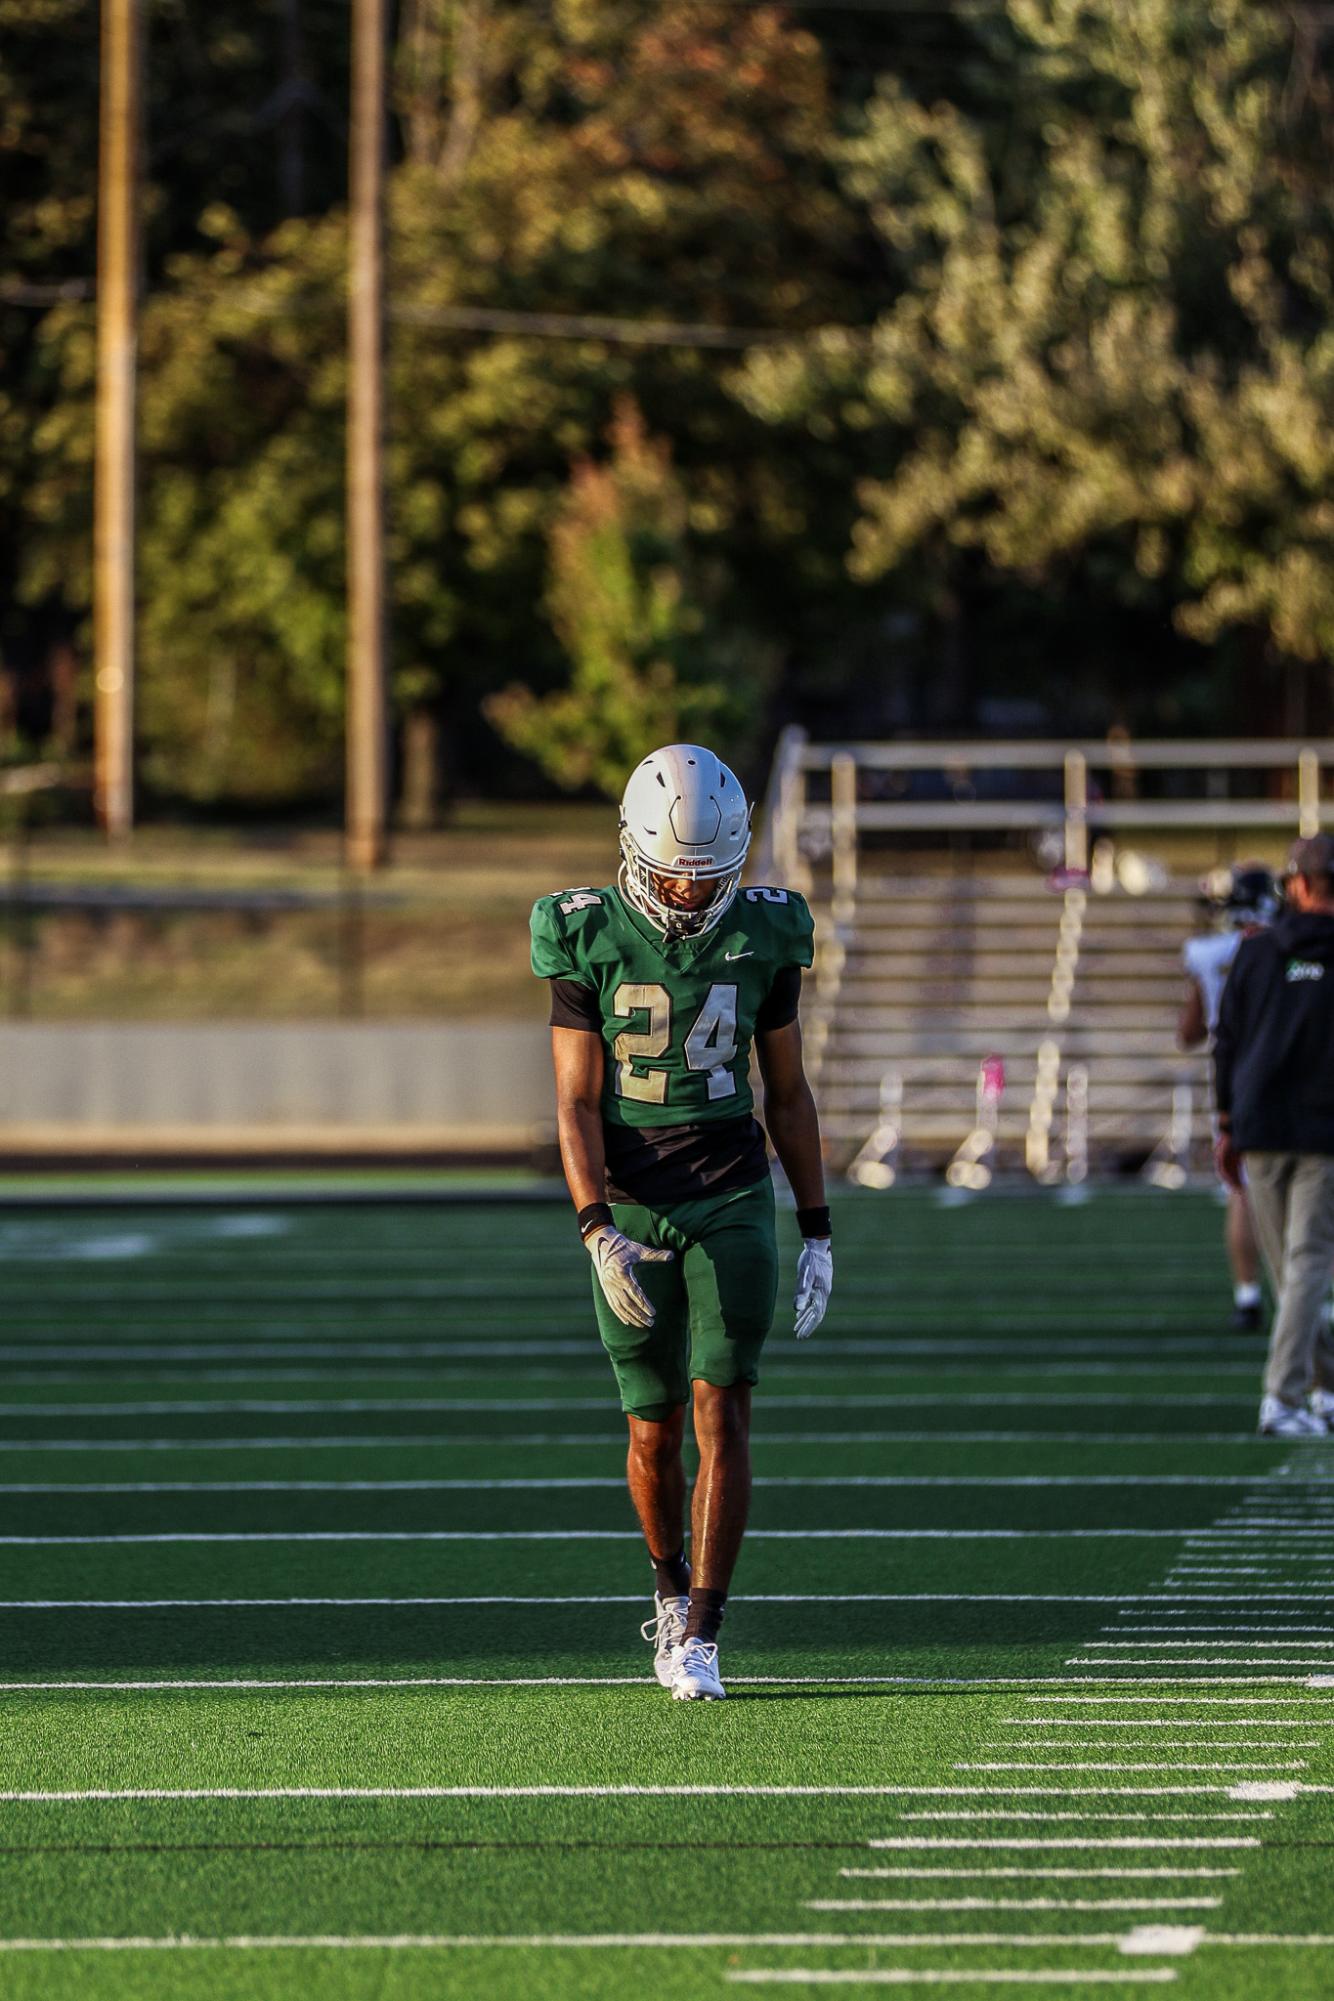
[[18, 292], [493, 320], [598, 326]]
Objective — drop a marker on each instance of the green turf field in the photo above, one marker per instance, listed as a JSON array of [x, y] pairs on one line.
[[320, 1597]]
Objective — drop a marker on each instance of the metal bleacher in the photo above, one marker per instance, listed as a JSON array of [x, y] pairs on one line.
[[981, 1009], [937, 975]]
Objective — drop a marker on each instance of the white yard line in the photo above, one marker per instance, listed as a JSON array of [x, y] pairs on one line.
[[269, 1341], [1193, 1626], [1013, 1903], [1039, 1874], [1193, 1660], [1254, 1645], [1187, 1701], [909, 1399], [100, 1794], [1008, 1814], [561, 1941], [1095, 1765], [562, 1598], [615, 1482], [224, 1349], [1162, 1723], [979, 1977], [280, 1685], [609, 1438], [584, 1535], [1096, 1844], [1322, 1941], [1196, 1741], [1278, 1584]]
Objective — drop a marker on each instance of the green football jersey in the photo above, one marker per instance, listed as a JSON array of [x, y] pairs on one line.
[[678, 1015]]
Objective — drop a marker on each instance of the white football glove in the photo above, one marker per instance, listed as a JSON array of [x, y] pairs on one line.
[[614, 1260], [815, 1282]]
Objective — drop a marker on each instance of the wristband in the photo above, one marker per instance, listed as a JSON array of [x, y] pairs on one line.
[[814, 1222], [594, 1216]]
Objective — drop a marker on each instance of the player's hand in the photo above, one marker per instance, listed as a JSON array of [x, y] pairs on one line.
[[1227, 1159], [815, 1282], [614, 1260]]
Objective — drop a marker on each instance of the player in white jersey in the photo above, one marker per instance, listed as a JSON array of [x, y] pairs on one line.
[[1243, 900], [1208, 961]]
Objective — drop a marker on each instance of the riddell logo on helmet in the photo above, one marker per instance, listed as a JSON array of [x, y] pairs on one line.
[[693, 861]]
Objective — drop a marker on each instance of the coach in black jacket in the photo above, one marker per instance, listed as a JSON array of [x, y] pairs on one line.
[[1274, 1084]]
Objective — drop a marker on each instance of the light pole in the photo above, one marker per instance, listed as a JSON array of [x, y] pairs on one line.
[[367, 704], [121, 114]]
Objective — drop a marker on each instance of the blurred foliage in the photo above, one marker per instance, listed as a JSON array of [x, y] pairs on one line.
[[1106, 367], [970, 341], [634, 610]]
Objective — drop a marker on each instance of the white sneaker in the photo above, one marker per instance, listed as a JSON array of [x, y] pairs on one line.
[[1289, 1420], [1322, 1403], [666, 1632], [696, 1674]]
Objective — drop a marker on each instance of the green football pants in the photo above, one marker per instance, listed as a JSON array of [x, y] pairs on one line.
[[714, 1301]]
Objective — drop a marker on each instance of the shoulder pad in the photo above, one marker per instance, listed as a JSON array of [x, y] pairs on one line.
[[787, 919], [555, 922]]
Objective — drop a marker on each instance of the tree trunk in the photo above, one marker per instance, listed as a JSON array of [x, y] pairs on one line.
[[419, 808]]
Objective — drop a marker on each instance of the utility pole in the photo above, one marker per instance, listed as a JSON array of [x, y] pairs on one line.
[[121, 151], [367, 706]]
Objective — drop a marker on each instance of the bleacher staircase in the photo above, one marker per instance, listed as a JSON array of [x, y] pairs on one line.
[[921, 978]]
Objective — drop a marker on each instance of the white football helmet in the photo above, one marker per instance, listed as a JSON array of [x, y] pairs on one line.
[[683, 813]]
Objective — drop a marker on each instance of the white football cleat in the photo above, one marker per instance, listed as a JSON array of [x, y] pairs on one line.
[[1322, 1403], [1289, 1420], [666, 1632], [695, 1678]]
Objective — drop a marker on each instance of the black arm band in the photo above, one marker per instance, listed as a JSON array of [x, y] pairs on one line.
[[593, 1216], [814, 1222]]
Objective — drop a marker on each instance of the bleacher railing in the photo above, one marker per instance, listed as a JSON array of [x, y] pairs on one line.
[[823, 796]]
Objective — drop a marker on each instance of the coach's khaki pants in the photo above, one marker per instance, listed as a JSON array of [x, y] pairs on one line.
[[1292, 1206]]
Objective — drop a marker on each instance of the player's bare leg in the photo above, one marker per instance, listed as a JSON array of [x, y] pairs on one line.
[[1244, 1259], [657, 1482], [722, 1487], [719, 1509]]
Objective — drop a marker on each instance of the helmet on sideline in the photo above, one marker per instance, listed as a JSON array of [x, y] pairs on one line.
[[683, 813], [1242, 896]]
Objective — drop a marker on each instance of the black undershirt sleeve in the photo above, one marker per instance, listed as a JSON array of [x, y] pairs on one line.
[[574, 1005], [781, 1003]]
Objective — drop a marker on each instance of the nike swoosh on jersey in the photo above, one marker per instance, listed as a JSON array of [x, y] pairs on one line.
[[739, 955]]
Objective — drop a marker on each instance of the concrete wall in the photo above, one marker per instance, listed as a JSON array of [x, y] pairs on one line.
[[302, 1083]]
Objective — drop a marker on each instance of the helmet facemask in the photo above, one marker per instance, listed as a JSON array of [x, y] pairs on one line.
[[639, 877], [684, 818]]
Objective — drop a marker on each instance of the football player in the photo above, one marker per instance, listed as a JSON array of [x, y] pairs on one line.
[[661, 983], [1241, 900]]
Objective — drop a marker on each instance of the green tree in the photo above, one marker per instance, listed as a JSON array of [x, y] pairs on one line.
[[1104, 372], [244, 108], [665, 166], [634, 608]]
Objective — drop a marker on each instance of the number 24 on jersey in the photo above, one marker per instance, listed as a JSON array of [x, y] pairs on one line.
[[710, 1045]]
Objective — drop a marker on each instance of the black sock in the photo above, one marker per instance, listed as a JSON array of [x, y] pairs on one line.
[[706, 1613], [671, 1575]]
